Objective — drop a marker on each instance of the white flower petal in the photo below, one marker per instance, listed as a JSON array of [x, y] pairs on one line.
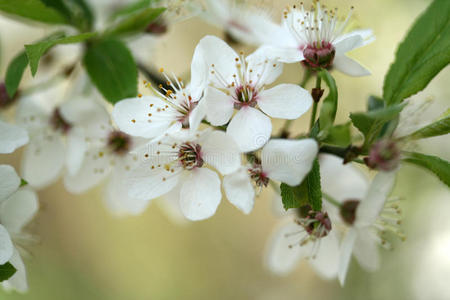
[[288, 161], [371, 206], [366, 34], [9, 182], [116, 196], [346, 251], [96, 166], [18, 210], [285, 101], [261, 70], [220, 151], [18, 281], [81, 111], [349, 66], [285, 55], [250, 129], [348, 44], [283, 251], [43, 161], [197, 115], [366, 250], [11, 137], [170, 206], [6, 246], [216, 52], [32, 115], [148, 183], [342, 182], [76, 149], [143, 117], [326, 261], [200, 194], [199, 73], [239, 190], [219, 106]]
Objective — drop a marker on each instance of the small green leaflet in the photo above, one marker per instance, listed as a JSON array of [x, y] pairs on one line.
[[23, 182], [112, 69], [6, 271], [339, 135], [294, 196], [371, 123], [35, 51], [133, 7], [374, 103], [422, 55], [33, 10], [308, 192], [438, 166], [440, 127], [329, 105], [76, 12], [135, 23], [15, 72]]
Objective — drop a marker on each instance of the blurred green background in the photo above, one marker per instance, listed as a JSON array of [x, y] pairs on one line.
[[85, 253]]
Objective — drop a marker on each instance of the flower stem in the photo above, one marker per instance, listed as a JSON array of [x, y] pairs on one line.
[[315, 104], [332, 200]]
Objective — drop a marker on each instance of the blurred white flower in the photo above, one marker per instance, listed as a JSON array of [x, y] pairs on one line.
[[238, 83], [363, 213], [57, 135], [287, 161], [317, 37], [17, 207], [11, 137], [176, 167], [247, 23], [108, 158], [291, 242]]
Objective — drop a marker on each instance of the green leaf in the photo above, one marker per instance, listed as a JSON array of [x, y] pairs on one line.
[[314, 187], [308, 192], [7, 271], [374, 103], [33, 10], [15, 72], [329, 105], [23, 182], [371, 123], [77, 12], [422, 55], [438, 166], [35, 51], [111, 67], [135, 23], [132, 8], [339, 135], [437, 128], [294, 196]]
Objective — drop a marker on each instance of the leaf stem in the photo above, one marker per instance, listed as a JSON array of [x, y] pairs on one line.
[[331, 200]]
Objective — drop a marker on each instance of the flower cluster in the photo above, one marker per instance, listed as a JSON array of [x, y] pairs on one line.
[[188, 142]]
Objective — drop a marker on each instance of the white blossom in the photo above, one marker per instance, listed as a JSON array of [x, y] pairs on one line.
[[240, 84], [179, 167], [249, 24], [364, 211], [57, 135], [11, 137], [287, 161], [318, 37], [17, 207]]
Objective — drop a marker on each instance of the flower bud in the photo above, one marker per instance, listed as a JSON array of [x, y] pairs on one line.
[[319, 57], [158, 27], [384, 155]]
